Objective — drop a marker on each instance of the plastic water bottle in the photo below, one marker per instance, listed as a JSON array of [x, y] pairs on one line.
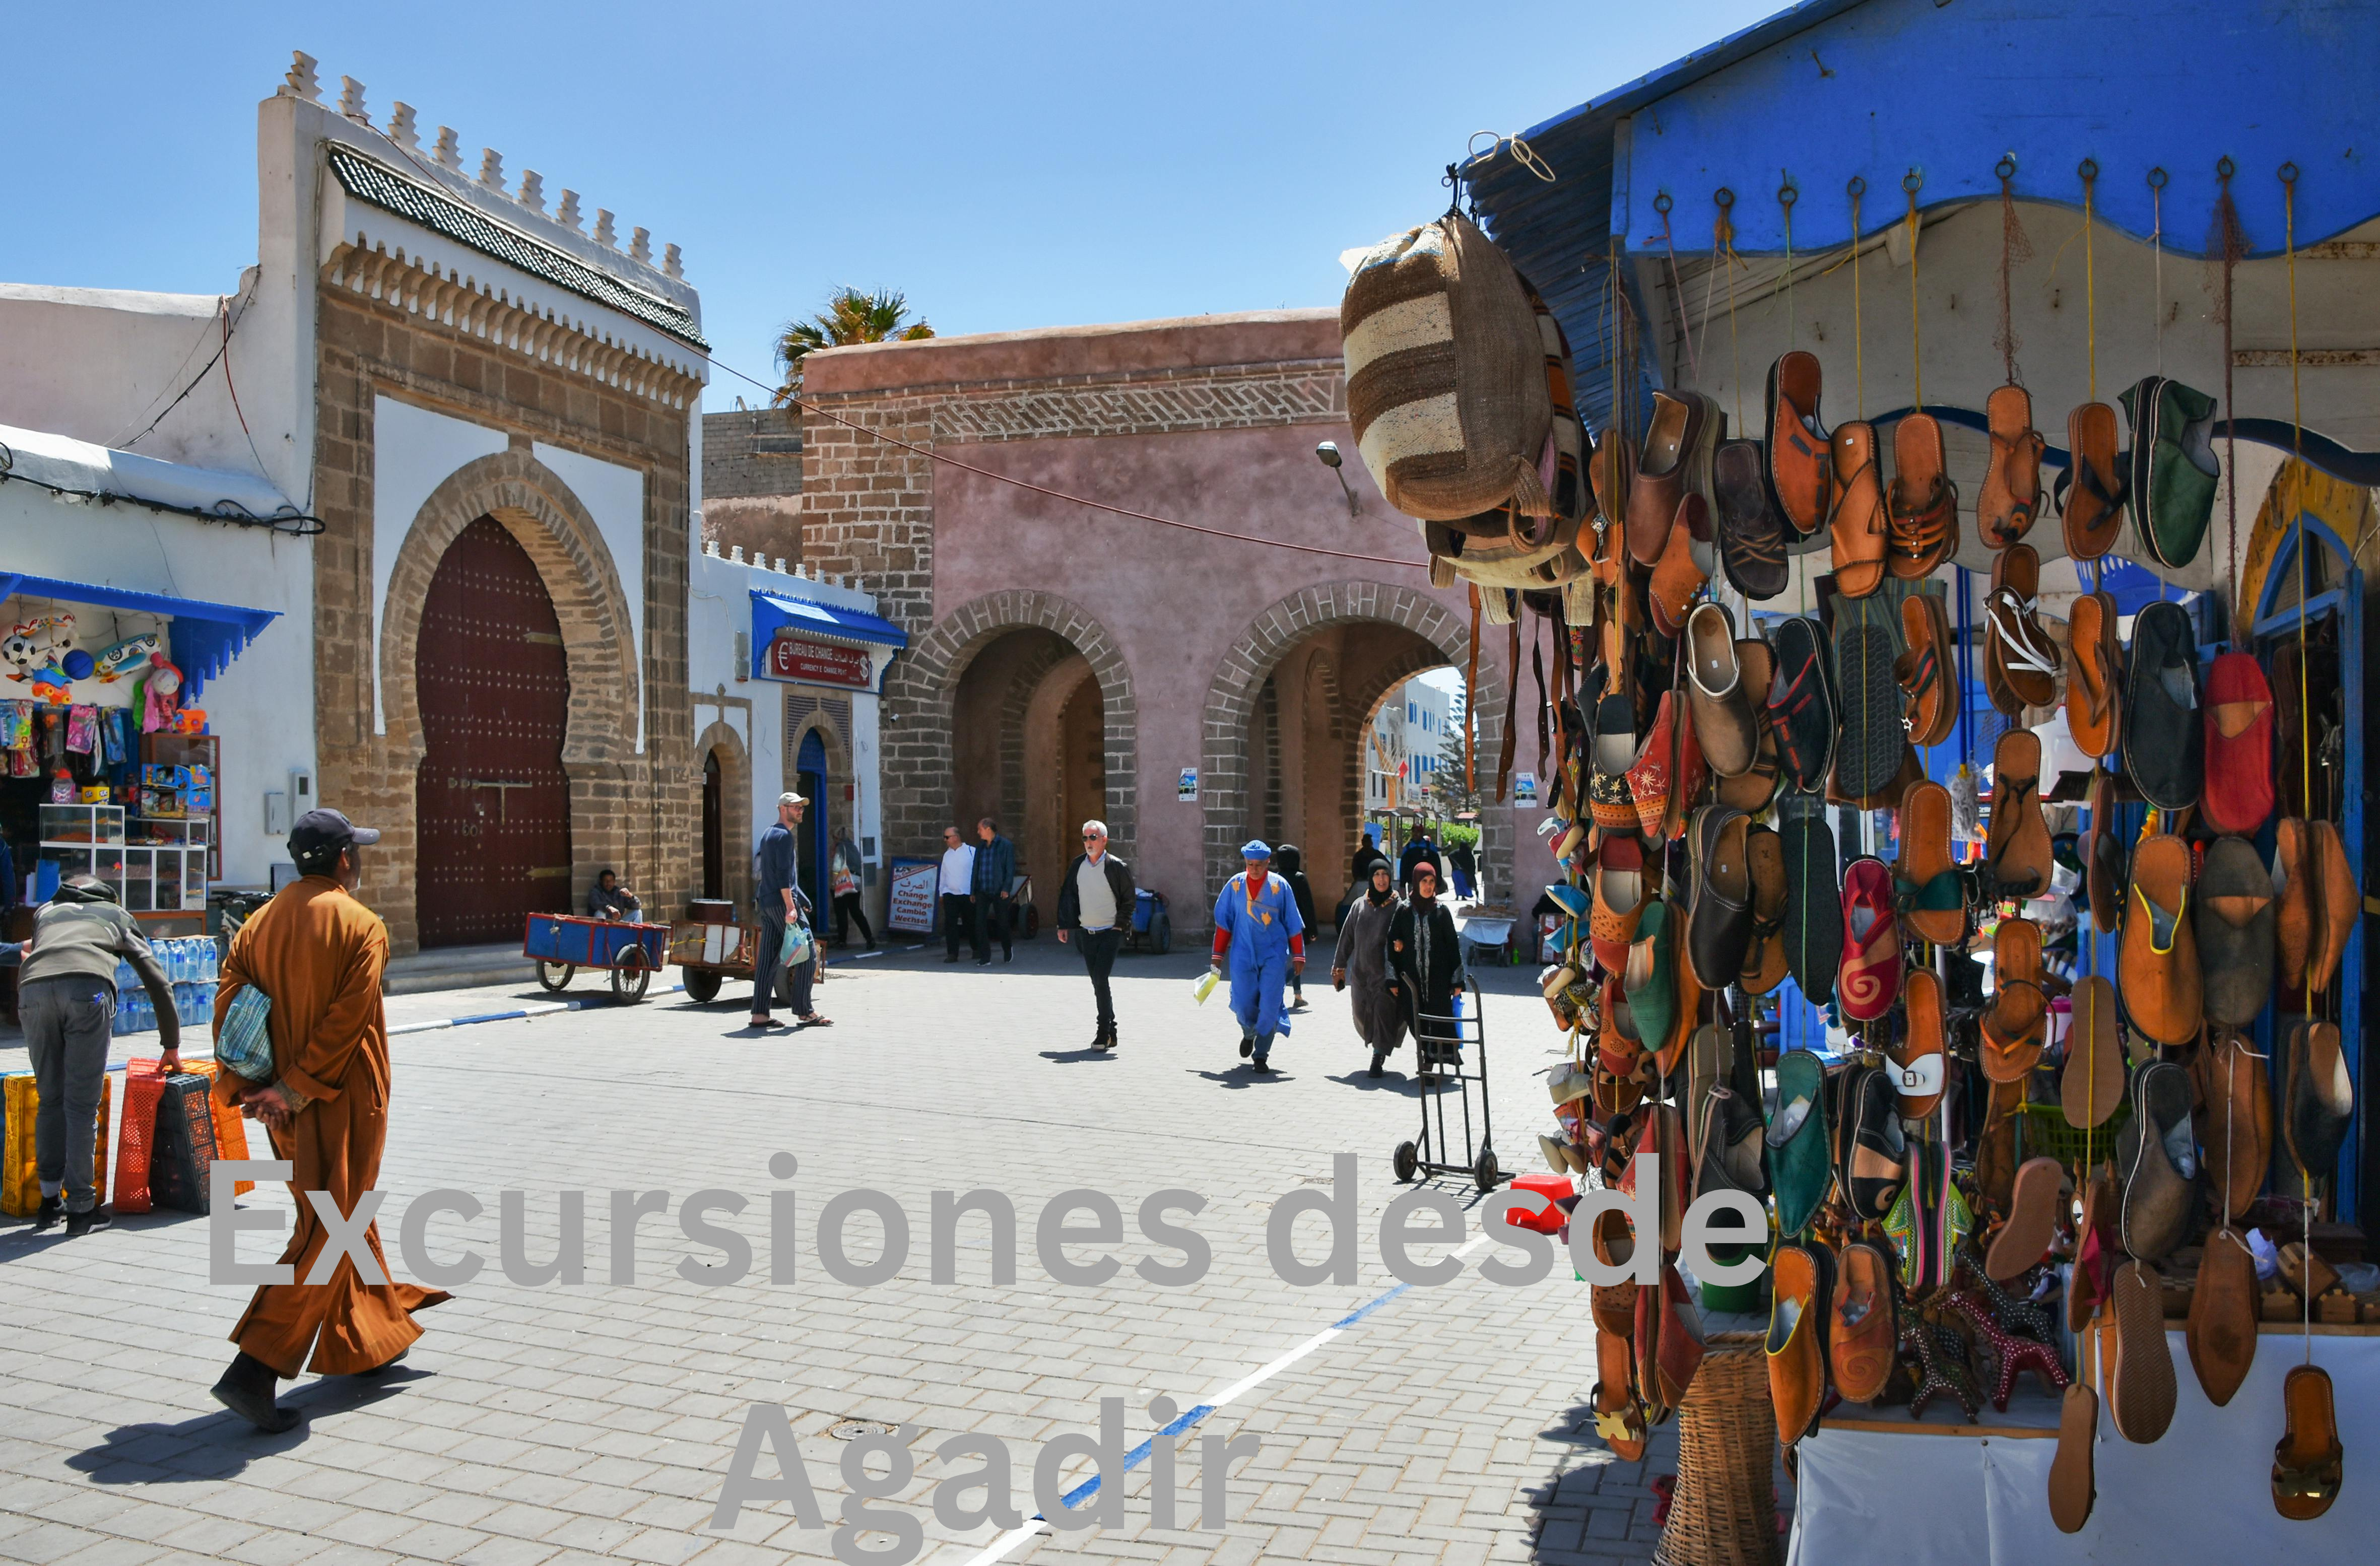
[[211, 961]]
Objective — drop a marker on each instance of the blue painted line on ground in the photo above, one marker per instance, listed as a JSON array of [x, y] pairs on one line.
[[1132, 1458], [1363, 1311]]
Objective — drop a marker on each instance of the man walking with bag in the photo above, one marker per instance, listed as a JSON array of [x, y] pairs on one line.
[[778, 901], [317, 954], [1093, 903]]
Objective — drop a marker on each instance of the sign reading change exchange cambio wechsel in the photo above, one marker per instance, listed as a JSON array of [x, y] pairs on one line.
[[818, 664], [1078, 1239]]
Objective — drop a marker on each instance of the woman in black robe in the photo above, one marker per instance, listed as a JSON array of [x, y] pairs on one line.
[[1425, 970], [1359, 962]]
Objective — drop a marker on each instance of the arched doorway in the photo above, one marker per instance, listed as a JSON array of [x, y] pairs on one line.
[[490, 797], [1029, 747], [811, 841], [714, 828]]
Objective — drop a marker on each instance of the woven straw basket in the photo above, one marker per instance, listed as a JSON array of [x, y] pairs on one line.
[[1724, 1510]]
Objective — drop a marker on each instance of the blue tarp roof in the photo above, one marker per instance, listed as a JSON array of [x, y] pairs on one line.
[[771, 611], [205, 637]]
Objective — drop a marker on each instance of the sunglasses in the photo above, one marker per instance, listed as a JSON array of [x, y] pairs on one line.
[[1092, 836]]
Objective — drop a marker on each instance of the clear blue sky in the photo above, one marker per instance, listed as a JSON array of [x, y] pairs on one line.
[[1007, 166]]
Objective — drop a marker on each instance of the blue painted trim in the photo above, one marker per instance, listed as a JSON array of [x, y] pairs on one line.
[[205, 637]]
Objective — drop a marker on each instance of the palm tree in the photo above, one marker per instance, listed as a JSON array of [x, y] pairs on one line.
[[851, 316]]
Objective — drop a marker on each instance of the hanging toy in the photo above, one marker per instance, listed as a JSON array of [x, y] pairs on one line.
[[50, 682], [77, 664], [126, 656], [21, 651], [161, 695]]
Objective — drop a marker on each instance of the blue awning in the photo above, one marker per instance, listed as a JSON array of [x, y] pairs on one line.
[[205, 639], [771, 612]]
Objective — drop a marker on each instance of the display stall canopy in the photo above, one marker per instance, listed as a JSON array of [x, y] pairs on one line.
[[1771, 130], [207, 637]]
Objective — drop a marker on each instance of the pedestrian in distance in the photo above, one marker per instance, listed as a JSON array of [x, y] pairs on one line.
[[844, 882], [1258, 927], [1463, 860], [318, 955], [780, 902], [607, 899], [955, 891], [994, 881], [1359, 870], [1094, 902], [1290, 865], [1360, 964], [66, 998], [1425, 971], [1418, 851]]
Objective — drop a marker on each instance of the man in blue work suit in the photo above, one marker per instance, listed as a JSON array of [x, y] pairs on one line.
[[1257, 926]]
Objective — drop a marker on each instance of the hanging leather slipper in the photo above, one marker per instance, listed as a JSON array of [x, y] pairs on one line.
[[2174, 470], [1750, 790], [1801, 456], [2018, 851], [1617, 1419], [1678, 441], [2103, 855], [2307, 1461], [1877, 1151], [2222, 1332], [2156, 960], [2021, 662], [2238, 795], [2032, 1223], [2016, 1026], [2321, 1099], [2073, 1486], [1923, 504], [2234, 922], [1920, 1065], [2338, 906], [2234, 1121], [1800, 1170], [2157, 1158], [2091, 1085], [1649, 976], [1802, 709], [2293, 876], [1763, 963], [1925, 670], [1613, 1306], [1801, 1298], [1928, 886], [1717, 696], [1814, 909], [2142, 1380], [2091, 493], [1622, 893], [1752, 530], [1863, 1328], [1678, 576], [1859, 531], [2164, 739], [1869, 980], [1610, 803], [2011, 493], [1869, 753], [2094, 708]]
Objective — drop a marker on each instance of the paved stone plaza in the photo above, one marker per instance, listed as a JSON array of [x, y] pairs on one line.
[[552, 1425]]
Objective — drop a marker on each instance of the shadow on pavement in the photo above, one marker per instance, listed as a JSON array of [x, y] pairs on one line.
[[221, 1444]]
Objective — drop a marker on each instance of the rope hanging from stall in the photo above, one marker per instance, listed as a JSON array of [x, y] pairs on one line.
[[2014, 247], [2289, 174], [1723, 243], [2089, 170], [1786, 196], [1857, 188], [1908, 183], [2229, 243], [1661, 204]]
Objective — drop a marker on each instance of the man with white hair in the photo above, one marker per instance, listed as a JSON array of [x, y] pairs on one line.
[[1094, 902]]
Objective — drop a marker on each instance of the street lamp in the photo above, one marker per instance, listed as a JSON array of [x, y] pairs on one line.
[[1328, 453]]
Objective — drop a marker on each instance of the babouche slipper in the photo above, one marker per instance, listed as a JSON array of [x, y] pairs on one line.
[[2164, 742], [1860, 531], [1799, 1169], [2238, 793], [1801, 1278], [1869, 979], [2142, 1380], [2234, 922], [2321, 1099], [1800, 455], [1863, 1329]]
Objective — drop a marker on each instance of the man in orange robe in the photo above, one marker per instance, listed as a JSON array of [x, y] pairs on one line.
[[318, 954]]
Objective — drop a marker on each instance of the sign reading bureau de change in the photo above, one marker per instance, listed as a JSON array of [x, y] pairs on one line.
[[818, 664]]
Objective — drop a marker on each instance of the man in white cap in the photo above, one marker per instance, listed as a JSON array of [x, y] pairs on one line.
[[779, 897], [1257, 925]]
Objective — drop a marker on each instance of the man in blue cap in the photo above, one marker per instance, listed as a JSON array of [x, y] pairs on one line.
[[1257, 925]]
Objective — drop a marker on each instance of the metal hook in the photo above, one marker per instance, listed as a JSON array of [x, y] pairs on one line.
[[1911, 180], [2157, 178], [2006, 168], [2224, 168], [1857, 188], [1724, 197], [1787, 194], [1661, 203], [2289, 174], [2089, 169]]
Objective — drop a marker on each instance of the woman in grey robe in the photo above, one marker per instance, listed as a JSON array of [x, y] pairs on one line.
[[1360, 961]]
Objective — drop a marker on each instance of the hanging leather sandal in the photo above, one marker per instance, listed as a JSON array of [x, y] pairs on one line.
[[1859, 531], [2011, 493], [1923, 504]]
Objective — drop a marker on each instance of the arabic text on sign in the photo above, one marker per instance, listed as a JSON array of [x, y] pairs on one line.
[[818, 664]]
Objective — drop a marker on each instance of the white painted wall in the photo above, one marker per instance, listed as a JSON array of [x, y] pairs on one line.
[[615, 497], [414, 451], [719, 605]]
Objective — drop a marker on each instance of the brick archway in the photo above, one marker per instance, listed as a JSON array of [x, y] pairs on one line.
[[926, 684], [534, 504], [1271, 636]]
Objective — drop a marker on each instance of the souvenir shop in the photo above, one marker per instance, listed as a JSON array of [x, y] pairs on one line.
[[1946, 553]]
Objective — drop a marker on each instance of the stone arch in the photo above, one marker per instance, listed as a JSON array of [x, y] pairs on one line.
[[737, 825], [923, 689], [533, 503], [1231, 699]]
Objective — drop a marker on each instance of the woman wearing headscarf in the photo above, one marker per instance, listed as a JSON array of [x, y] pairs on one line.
[[1290, 865], [1426, 969], [1361, 961]]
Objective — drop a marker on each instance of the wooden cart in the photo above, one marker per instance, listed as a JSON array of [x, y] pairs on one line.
[[709, 951], [562, 944]]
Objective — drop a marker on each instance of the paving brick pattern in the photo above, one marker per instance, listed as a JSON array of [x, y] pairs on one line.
[[539, 1426]]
